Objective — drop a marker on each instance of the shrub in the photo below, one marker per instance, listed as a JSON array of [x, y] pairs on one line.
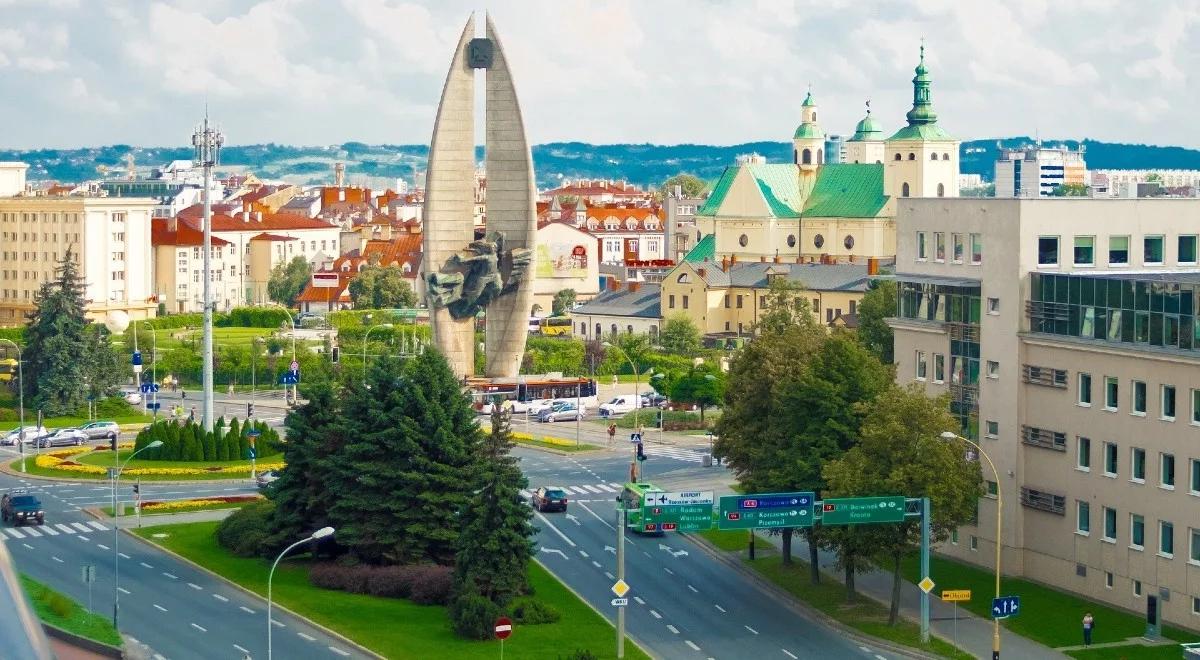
[[253, 317], [245, 531], [473, 616], [391, 581], [9, 415], [580, 654], [432, 584], [532, 612], [332, 575], [59, 604]]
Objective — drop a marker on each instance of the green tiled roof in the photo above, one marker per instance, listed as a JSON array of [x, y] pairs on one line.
[[809, 131], [717, 197], [705, 250], [847, 190], [779, 184], [921, 132]]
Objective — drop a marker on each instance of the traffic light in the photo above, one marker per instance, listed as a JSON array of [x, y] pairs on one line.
[[137, 488], [658, 418], [249, 409], [337, 354], [641, 454], [114, 443]]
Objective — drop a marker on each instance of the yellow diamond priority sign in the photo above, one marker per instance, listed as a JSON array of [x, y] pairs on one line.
[[926, 585], [620, 588]]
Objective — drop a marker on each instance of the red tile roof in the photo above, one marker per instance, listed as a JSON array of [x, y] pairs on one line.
[[223, 221], [272, 237], [181, 234]]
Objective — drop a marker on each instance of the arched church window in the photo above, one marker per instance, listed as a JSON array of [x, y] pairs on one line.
[[599, 332], [912, 156], [806, 157], [898, 157], [814, 116], [796, 156], [941, 190], [933, 156], [945, 156], [683, 278], [904, 190]]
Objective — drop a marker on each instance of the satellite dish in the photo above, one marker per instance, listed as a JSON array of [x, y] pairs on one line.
[[116, 321]]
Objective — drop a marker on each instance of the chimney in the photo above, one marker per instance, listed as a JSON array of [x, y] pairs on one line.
[[173, 224], [872, 266], [724, 264], [634, 286], [776, 259], [613, 284], [762, 258], [732, 259], [245, 216], [701, 272]]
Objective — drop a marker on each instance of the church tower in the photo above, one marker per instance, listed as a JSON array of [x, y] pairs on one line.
[[867, 144], [921, 159], [808, 144]]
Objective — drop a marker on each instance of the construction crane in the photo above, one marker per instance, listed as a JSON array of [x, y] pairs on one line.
[[130, 168]]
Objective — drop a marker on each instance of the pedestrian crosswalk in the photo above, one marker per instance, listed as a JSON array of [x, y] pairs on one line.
[[586, 489], [52, 529], [677, 453]]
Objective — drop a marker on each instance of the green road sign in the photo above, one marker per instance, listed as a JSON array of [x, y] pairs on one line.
[[767, 510], [679, 518], [862, 510]]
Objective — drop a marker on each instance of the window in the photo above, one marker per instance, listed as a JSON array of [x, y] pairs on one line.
[[1152, 250], [993, 369], [939, 368], [1194, 471], [1137, 531], [1194, 551], [739, 301], [818, 240], [992, 429], [1167, 401], [1166, 470], [1083, 453], [957, 241], [1196, 406], [1111, 390], [976, 248], [993, 306], [954, 537], [1085, 248], [1166, 538], [974, 543], [941, 189], [1139, 398], [1137, 587], [727, 301], [1083, 517], [1085, 389], [1110, 459], [920, 365], [1137, 468], [939, 246], [1110, 524], [1187, 249], [671, 301], [1047, 250], [685, 302], [743, 240], [1118, 250], [1108, 580]]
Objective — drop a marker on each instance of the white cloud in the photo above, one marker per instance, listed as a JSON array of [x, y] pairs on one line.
[[40, 64], [85, 101]]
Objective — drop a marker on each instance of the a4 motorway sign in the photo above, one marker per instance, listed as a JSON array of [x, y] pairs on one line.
[[766, 510]]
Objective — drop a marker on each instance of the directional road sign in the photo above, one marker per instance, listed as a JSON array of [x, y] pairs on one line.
[[861, 510], [679, 518], [154, 405], [956, 595], [149, 387], [620, 602], [1005, 606], [289, 378], [766, 510], [620, 588], [88, 572], [679, 498]]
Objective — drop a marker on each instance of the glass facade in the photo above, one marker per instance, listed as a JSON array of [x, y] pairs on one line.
[[959, 307], [1152, 312]]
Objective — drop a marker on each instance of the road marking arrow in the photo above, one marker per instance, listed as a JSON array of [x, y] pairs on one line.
[[609, 548], [665, 547], [573, 519], [680, 553], [556, 551]]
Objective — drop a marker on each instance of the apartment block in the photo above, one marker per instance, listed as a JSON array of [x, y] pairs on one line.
[[1067, 334]]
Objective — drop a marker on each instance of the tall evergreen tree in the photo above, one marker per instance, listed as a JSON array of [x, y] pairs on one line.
[[57, 346], [494, 545]]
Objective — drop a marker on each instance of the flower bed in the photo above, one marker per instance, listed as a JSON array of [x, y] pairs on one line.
[[525, 437], [57, 460], [177, 505]]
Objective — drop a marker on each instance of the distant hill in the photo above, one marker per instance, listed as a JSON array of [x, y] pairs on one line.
[[642, 164]]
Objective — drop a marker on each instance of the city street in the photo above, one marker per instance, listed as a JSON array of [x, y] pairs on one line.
[[683, 603]]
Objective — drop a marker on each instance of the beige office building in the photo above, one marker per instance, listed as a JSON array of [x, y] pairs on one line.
[[1067, 333], [110, 237]]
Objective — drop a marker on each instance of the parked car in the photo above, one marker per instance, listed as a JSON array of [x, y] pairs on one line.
[[654, 400], [101, 430], [561, 411], [619, 405], [69, 437], [32, 433], [20, 507], [265, 479], [549, 499], [132, 397]]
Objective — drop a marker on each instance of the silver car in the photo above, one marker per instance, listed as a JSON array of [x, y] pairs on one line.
[[31, 433], [101, 430], [561, 412], [70, 437]]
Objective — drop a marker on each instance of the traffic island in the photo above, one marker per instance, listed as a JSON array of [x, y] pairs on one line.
[[70, 622], [92, 463]]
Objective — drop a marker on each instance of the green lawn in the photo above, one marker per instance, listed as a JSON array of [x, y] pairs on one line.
[[736, 541], [1130, 652], [58, 610], [105, 459], [108, 510], [398, 628], [1047, 616], [570, 448], [65, 422]]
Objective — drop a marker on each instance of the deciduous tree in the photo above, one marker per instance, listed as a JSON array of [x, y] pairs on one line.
[[679, 335], [379, 287], [564, 300], [288, 280], [877, 305], [701, 386], [691, 184]]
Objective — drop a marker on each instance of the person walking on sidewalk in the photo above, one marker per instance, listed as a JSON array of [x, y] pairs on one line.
[[1088, 622], [612, 433]]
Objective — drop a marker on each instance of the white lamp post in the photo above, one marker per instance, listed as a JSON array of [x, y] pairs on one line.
[[319, 534], [117, 528], [365, 338]]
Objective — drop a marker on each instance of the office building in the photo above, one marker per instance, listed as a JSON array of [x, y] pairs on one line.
[[1035, 171]]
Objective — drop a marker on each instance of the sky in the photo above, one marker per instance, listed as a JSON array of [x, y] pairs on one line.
[[314, 72]]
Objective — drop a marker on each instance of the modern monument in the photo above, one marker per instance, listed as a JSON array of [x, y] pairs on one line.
[[465, 276]]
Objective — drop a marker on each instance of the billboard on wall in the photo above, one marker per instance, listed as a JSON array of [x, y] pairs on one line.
[[562, 259], [325, 280]]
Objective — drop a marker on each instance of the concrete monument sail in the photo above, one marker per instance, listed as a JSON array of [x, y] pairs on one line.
[[465, 276]]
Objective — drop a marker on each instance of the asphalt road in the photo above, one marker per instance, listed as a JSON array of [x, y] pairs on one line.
[[179, 611], [683, 603]]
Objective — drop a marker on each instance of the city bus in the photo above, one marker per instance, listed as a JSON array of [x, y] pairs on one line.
[[555, 326], [8, 370], [522, 393], [632, 499]]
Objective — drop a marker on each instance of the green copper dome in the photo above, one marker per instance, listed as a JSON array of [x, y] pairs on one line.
[[922, 110], [867, 129], [809, 131], [808, 100]]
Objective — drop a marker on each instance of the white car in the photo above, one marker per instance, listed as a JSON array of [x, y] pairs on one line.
[[32, 433], [132, 398], [619, 405]]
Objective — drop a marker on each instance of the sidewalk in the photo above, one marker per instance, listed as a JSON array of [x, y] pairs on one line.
[[974, 634]]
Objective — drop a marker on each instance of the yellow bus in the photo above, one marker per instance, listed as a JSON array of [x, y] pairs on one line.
[[8, 370], [555, 326]]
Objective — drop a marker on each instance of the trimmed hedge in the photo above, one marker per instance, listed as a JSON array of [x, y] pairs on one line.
[[189, 442], [238, 317], [424, 584]]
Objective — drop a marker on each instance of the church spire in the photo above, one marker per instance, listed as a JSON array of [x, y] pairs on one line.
[[922, 111]]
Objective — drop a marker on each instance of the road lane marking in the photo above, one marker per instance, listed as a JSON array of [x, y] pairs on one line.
[[245, 609], [15, 534], [56, 559], [173, 577], [102, 546], [879, 657], [576, 489], [583, 554], [789, 654], [344, 654], [195, 586], [655, 614], [123, 590], [691, 644], [145, 565], [307, 637], [606, 488], [124, 556], [592, 489], [32, 532], [609, 575], [596, 564], [638, 600], [246, 651], [220, 598], [605, 522], [81, 527], [526, 494], [27, 546], [49, 530], [719, 608], [97, 525], [160, 608], [616, 485], [199, 627], [64, 528], [752, 631], [669, 571], [83, 538], [556, 530], [277, 624], [694, 589], [673, 629]]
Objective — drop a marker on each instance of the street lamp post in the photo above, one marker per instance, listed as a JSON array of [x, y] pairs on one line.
[[950, 435], [207, 141], [117, 528], [292, 325], [317, 535], [637, 406], [365, 338], [20, 397]]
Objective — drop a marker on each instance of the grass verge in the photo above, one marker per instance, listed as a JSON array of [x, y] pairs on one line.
[[34, 470], [559, 444], [1047, 616], [866, 615], [398, 628], [58, 610], [70, 421], [1129, 652], [108, 510]]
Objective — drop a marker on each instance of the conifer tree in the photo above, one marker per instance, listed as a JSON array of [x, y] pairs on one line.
[[56, 342], [301, 495], [495, 540]]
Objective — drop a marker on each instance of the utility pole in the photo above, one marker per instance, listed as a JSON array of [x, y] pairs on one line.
[[207, 142], [620, 576]]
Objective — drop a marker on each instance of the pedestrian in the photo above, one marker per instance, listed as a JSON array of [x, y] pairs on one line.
[[1088, 622], [612, 433], [192, 416], [182, 393]]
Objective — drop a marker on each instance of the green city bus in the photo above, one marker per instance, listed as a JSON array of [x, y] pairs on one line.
[[632, 499]]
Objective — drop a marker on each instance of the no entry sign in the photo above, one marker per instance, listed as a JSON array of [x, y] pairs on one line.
[[503, 628]]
